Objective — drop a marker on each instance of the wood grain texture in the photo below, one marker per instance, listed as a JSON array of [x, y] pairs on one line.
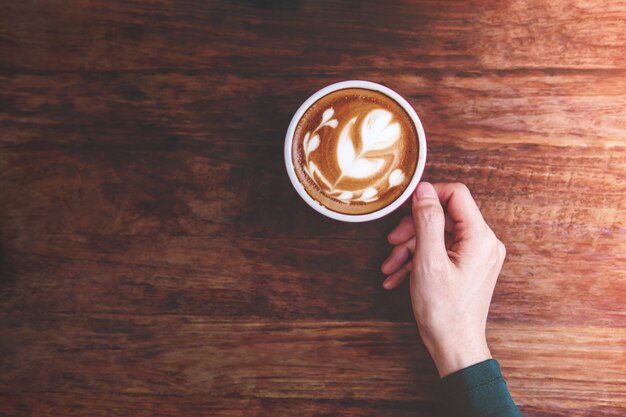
[[154, 259], [152, 221], [138, 404], [152, 111], [359, 360], [248, 36]]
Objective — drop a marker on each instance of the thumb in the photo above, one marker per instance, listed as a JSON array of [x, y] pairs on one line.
[[430, 225]]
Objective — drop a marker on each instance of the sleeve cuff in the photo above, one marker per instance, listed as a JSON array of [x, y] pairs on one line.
[[472, 377], [478, 390]]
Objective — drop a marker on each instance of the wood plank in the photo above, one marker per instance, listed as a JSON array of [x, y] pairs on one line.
[[138, 404], [227, 190], [553, 33], [185, 355], [324, 36], [114, 404], [177, 110], [287, 279], [151, 221], [220, 190]]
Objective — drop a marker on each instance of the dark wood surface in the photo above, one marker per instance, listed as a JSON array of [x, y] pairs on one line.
[[154, 259]]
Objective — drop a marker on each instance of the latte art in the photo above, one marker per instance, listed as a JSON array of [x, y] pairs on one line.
[[377, 133], [355, 150]]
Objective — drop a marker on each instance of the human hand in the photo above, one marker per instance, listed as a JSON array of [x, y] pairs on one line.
[[453, 272]]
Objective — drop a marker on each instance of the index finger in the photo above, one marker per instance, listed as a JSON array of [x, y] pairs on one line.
[[459, 203]]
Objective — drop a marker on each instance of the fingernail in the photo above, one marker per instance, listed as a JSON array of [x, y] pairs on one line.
[[387, 282], [425, 190]]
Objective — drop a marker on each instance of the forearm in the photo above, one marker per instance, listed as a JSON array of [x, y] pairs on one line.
[[478, 391]]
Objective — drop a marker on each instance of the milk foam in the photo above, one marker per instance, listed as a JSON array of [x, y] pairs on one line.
[[363, 148], [355, 150]]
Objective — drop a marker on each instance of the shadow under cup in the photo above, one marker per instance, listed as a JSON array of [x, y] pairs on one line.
[[350, 157]]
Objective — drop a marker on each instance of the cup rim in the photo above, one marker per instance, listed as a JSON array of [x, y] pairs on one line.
[[410, 188]]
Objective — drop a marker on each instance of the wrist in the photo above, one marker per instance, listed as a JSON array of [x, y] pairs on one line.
[[458, 354]]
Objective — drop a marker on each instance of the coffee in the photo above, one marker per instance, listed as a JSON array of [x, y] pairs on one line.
[[355, 150]]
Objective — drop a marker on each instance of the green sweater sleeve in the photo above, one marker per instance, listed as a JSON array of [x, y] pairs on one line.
[[478, 391]]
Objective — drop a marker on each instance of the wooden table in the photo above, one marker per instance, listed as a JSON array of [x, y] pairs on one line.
[[155, 259]]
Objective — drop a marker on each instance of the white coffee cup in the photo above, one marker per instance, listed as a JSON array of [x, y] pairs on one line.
[[417, 175]]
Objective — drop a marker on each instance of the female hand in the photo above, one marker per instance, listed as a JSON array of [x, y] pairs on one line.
[[456, 259]]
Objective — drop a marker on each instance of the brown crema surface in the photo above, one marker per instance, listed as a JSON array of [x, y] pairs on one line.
[[355, 150]]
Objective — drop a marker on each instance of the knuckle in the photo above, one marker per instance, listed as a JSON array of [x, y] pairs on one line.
[[430, 214], [461, 188], [487, 235], [501, 249], [398, 250], [492, 244], [411, 246]]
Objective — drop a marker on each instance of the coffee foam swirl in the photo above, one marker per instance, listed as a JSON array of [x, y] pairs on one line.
[[358, 148], [377, 133]]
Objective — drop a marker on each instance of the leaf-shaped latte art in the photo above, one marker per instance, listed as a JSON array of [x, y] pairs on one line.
[[313, 143], [314, 173], [345, 195], [396, 178], [306, 140], [364, 167], [349, 163], [345, 149], [377, 131], [369, 194], [328, 113]]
